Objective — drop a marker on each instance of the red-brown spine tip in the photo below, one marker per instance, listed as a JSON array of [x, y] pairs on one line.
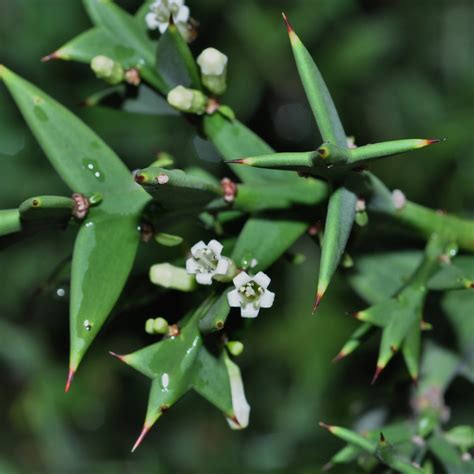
[[240, 161], [378, 371], [325, 426], [414, 379], [287, 23], [139, 178], [171, 20], [118, 356], [139, 440], [382, 438], [50, 57], [339, 357], [236, 421], [471, 285], [317, 301], [70, 376], [356, 315]]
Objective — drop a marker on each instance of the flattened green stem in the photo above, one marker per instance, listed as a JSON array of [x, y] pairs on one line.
[[46, 207], [427, 221], [9, 222], [376, 151], [319, 98], [280, 161], [339, 220]]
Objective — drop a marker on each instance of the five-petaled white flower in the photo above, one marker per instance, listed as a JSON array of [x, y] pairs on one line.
[[251, 294], [207, 261], [160, 12]]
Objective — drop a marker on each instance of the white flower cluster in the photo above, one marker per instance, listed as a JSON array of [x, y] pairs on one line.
[[251, 292], [161, 11]]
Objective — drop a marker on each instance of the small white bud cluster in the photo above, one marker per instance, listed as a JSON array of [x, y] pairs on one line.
[[107, 69], [187, 100]]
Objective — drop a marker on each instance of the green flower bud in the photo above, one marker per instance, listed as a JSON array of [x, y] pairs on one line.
[[169, 276], [149, 326], [186, 100], [160, 326], [108, 70], [235, 348], [213, 66]]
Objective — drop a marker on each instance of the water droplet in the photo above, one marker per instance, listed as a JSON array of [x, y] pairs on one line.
[[165, 381], [61, 292], [40, 114], [89, 224], [93, 167], [87, 325]]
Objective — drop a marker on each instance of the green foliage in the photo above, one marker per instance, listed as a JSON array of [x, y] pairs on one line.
[[262, 214]]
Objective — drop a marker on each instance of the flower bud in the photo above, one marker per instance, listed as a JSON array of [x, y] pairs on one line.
[[213, 66], [187, 100], [169, 276], [160, 326], [235, 348], [108, 70]]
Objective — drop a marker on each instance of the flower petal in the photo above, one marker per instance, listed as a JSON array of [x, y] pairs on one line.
[[240, 406], [191, 265], [249, 311], [216, 247], [204, 278], [267, 299], [151, 21], [163, 27], [222, 266], [262, 279], [241, 279], [196, 247], [233, 298], [183, 15]]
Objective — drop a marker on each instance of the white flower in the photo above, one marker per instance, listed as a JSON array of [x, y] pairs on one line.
[[251, 294], [160, 12], [207, 261], [212, 62]]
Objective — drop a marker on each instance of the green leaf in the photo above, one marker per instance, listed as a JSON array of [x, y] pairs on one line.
[[449, 457], [459, 307], [181, 363], [45, 208], [175, 189], [97, 42], [380, 314], [379, 276], [411, 349], [351, 437], [9, 221], [265, 240], [319, 98], [280, 196], [339, 221], [80, 157], [98, 275], [461, 436], [175, 61]]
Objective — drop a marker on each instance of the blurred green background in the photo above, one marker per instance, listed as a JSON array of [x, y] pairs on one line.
[[396, 69]]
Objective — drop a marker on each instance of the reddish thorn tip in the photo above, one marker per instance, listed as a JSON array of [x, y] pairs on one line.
[[240, 161], [139, 178], [140, 438], [70, 376], [432, 141], [355, 314], [118, 356], [382, 438], [287, 23], [378, 371], [471, 285], [50, 57], [339, 357], [317, 301], [415, 380], [235, 420], [325, 425]]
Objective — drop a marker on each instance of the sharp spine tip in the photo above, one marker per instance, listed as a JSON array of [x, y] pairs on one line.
[[70, 376], [239, 161], [50, 57], [378, 371], [325, 426], [433, 141], [139, 440], [118, 356], [287, 23], [317, 301], [339, 357]]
